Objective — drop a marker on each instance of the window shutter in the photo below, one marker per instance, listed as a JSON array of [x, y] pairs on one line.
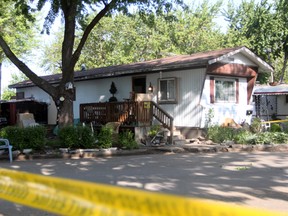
[[212, 86]]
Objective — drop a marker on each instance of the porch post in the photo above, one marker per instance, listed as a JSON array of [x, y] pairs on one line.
[[171, 132]]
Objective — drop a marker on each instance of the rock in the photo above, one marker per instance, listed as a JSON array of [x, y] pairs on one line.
[[229, 142], [193, 140], [201, 138], [209, 142]]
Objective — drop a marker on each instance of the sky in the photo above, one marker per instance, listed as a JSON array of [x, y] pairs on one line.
[[8, 69]]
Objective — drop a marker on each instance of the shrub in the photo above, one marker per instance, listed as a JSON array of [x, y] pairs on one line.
[[244, 137], [278, 137], [86, 138], [68, 136], [263, 138], [267, 138], [256, 126], [209, 117], [250, 139], [220, 134], [105, 137], [275, 127], [15, 135], [76, 137], [54, 143], [35, 137], [24, 138], [154, 130], [127, 141]]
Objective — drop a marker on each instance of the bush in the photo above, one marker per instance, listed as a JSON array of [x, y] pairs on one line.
[[220, 134], [154, 130], [76, 137], [127, 141], [105, 137], [86, 137], [68, 136], [35, 137], [244, 137], [275, 127], [15, 135], [256, 126], [25, 138], [54, 143], [273, 138]]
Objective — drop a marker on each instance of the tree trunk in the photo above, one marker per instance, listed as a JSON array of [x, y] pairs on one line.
[[0, 80], [65, 113], [64, 103], [284, 68]]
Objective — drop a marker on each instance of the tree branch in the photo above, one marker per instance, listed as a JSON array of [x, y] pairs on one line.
[[41, 83], [88, 29]]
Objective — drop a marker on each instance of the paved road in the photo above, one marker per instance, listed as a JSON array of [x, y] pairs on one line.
[[251, 179]]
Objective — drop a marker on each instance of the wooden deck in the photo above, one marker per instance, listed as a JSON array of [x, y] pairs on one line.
[[128, 113]]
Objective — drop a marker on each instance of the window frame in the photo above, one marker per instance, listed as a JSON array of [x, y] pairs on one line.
[[175, 89], [235, 90]]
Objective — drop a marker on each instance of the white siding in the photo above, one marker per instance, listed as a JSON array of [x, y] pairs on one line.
[[239, 59], [98, 91], [86, 92], [187, 112], [226, 110]]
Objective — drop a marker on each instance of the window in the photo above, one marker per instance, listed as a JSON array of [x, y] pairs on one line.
[[20, 95], [225, 90], [167, 90]]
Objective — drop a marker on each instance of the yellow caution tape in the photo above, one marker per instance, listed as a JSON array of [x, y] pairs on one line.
[[71, 197], [274, 121]]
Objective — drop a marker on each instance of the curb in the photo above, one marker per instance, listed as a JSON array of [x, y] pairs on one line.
[[172, 149]]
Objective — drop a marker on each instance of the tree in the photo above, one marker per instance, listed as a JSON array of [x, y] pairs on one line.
[[16, 31], [74, 13], [261, 27], [122, 39], [282, 15], [51, 55], [129, 39], [194, 30], [9, 93]]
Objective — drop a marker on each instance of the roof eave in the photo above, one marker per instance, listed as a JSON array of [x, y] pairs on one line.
[[263, 66], [121, 73]]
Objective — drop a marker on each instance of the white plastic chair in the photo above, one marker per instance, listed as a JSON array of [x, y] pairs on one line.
[[7, 146]]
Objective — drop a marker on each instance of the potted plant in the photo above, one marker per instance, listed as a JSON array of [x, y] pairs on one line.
[[113, 91]]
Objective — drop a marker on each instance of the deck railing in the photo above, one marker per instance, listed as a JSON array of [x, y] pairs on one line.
[[163, 117], [133, 113], [128, 113]]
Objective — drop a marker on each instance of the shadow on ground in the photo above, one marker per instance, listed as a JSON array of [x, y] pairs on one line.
[[251, 179]]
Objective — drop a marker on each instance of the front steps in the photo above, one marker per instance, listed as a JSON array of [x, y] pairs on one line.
[[178, 138]]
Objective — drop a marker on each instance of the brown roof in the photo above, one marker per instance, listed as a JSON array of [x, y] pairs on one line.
[[169, 63]]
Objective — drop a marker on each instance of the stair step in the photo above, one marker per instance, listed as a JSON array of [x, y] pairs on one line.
[[177, 132], [178, 137], [179, 142]]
